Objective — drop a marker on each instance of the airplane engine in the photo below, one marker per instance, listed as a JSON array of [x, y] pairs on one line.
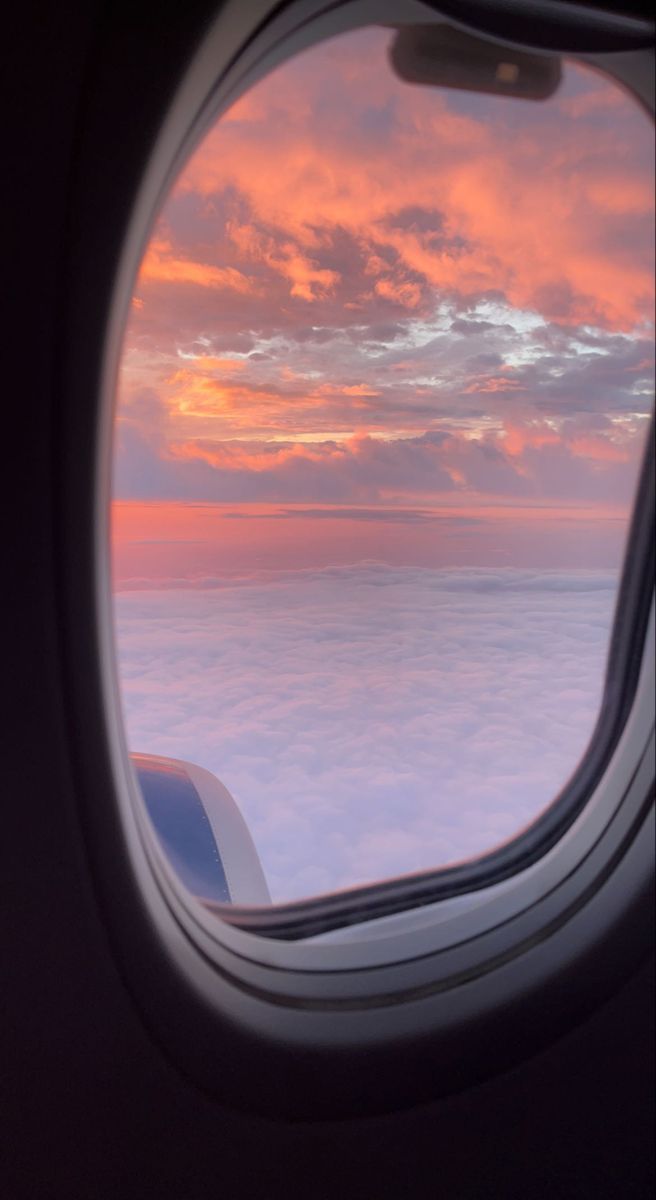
[[201, 831]]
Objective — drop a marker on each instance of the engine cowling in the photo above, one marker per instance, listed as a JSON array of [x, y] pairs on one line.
[[201, 830]]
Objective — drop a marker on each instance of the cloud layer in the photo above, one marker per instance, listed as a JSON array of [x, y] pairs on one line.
[[371, 720], [361, 291]]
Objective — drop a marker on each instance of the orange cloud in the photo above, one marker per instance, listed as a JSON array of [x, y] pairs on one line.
[[351, 389], [494, 383], [203, 363], [309, 281], [599, 449], [161, 263], [407, 294], [235, 456], [529, 207], [350, 218], [517, 437]]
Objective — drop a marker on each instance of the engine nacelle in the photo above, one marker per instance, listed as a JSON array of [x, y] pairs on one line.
[[201, 830]]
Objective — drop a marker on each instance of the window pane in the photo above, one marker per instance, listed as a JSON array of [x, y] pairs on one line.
[[384, 392]]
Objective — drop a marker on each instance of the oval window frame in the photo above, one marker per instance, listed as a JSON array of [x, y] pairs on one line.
[[318, 996]]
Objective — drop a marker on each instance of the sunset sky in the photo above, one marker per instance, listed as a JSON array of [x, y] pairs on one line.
[[383, 327]]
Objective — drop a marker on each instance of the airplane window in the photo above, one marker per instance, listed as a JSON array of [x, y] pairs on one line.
[[383, 399]]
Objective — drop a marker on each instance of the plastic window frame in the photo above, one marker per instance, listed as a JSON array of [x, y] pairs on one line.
[[415, 949]]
